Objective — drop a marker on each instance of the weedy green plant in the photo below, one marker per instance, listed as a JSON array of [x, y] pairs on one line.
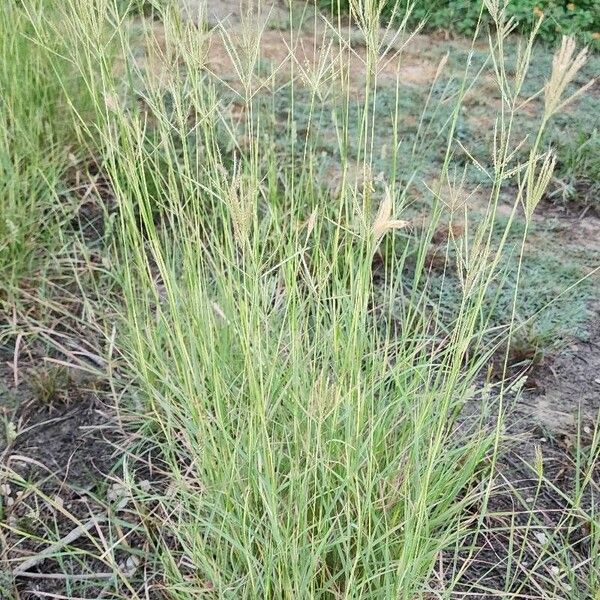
[[560, 17], [306, 415], [577, 179], [49, 383]]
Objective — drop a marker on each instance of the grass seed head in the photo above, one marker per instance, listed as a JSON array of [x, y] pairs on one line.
[[496, 8], [538, 463], [383, 220], [240, 204], [537, 185], [565, 66]]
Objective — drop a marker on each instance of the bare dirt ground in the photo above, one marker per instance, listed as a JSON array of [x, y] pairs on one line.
[[57, 453], [232, 12]]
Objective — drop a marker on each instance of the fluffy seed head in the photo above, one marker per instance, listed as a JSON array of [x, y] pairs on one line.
[[565, 66], [383, 220]]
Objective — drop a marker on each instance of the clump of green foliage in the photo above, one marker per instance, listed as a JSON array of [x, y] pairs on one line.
[[281, 341], [581, 18], [577, 180], [36, 138], [560, 17]]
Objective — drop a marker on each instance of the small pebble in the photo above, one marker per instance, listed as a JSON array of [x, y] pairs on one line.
[[145, 485], [541, 537], [115, 492], [131, 564]]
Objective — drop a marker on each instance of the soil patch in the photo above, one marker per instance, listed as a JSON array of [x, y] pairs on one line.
[[57, 451], [537, 538], [568, 388]]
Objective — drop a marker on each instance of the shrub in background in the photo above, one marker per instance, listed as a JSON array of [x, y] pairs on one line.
[[581, 18]]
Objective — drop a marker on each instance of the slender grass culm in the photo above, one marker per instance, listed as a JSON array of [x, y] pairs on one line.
[[295, 380]]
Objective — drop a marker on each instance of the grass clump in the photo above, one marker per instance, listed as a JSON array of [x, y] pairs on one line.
[[577, 181], [29, 167], [295, 378], [38, 135]]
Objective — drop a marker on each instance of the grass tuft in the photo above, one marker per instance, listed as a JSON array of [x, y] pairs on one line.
[[284, 342]]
